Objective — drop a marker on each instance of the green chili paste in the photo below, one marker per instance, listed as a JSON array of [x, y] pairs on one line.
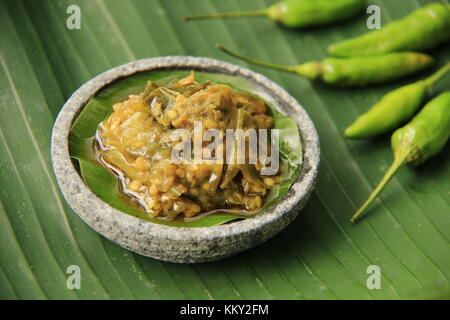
[[135, 142]]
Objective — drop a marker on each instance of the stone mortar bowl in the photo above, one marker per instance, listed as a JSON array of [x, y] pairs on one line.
[[174, 244]]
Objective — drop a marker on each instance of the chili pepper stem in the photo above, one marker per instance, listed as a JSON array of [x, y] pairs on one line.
[[431, 80], [400, 159], [256, 13], [258, 62]]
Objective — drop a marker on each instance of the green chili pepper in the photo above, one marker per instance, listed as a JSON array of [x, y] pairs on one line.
[[299, 13], [394, 108], [423, 29], [356, 71], [420, 139]]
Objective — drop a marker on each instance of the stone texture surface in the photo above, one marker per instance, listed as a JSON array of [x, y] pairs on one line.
[[182, 245]]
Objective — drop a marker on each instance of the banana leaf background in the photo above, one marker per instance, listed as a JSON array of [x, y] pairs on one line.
[[320, 256]]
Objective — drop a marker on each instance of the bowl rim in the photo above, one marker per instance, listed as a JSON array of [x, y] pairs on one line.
[[93, 210]]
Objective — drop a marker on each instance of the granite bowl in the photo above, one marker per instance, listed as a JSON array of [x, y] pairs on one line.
[[182, 245]]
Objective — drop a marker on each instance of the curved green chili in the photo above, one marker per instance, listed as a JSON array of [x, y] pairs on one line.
[[353, 72], [393, 109], [423, 29], [420, 139], [299, 13]]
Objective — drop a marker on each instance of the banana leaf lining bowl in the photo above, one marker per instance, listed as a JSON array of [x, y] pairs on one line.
[[180, 244]]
